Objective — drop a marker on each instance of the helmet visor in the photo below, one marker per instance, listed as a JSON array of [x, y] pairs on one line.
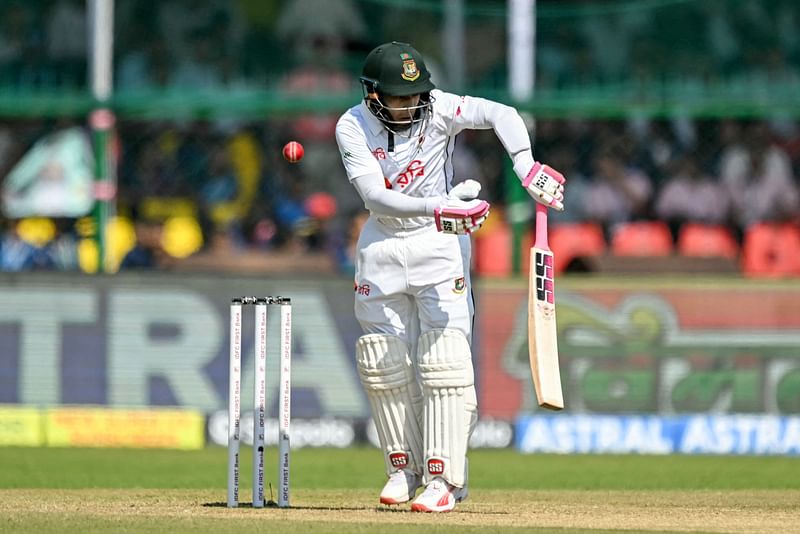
[[397, 118]]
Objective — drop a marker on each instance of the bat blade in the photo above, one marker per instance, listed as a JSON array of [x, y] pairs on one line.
[[542, 339]]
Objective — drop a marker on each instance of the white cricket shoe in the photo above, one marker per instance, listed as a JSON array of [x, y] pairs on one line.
[[401, 487], [439, 496]]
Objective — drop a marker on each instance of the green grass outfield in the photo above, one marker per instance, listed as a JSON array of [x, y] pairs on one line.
[[49, 490]]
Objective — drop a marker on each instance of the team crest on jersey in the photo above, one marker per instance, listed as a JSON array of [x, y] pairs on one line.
[[459, 285], [410, 70], [379, 153]]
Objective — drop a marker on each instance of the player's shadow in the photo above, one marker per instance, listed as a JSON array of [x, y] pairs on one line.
[[379, 509], [387, 510], [274, 506]]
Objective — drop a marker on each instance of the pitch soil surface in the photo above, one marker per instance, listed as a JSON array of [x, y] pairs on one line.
[[168, 510], [63, 490]]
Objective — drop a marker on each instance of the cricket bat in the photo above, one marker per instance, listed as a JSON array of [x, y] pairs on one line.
[[542, 340]]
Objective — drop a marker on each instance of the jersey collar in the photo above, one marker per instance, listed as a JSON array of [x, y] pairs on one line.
[[375, 126]]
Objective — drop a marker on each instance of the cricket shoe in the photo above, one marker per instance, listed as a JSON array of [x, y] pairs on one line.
[[439, 496], [401, 487]]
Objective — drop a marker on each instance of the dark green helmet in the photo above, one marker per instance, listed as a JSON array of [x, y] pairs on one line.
[[397, 69]]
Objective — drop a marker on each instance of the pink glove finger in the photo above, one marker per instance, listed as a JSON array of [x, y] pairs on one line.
[[557, 176]]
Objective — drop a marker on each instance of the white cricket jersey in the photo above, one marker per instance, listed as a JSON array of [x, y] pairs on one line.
[[402, 256], [421, 166]]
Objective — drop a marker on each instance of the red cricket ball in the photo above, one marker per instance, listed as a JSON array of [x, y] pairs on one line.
[[293, 151]]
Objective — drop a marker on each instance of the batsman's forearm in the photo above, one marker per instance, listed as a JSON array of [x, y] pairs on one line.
[[382, 201]]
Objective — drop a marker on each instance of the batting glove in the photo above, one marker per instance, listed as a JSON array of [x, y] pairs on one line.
[[461, 217], [466, 190], [545, 185]]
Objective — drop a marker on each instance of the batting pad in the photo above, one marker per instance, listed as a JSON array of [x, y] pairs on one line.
[[388, 377], [451, 407]]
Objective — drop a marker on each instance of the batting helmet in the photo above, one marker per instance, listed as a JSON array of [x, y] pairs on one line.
[[396, 69]]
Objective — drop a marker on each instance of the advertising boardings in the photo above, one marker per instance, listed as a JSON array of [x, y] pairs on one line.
[[161, 340]]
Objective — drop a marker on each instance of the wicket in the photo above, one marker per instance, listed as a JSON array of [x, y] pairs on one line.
[[259, 398]]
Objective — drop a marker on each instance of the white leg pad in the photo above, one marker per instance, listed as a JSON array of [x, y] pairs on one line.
[[390, 382], [448, 390]]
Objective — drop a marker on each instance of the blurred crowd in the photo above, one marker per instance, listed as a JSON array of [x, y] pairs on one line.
[[236, 188], [718, 172], [691, 42], [194, 186], [184, 44]]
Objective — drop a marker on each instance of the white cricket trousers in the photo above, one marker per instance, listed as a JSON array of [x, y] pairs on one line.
[[410, 281]]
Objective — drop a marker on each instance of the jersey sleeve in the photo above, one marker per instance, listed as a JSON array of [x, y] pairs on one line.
[[382, 201], [474, 113], [356, 157]]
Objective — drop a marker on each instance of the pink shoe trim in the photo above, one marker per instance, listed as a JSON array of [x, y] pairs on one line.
[[417, 507]]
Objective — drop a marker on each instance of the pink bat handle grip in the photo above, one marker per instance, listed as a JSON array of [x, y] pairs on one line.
[[541, 227]]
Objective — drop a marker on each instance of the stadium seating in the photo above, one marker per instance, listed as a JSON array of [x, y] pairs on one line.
[[771, 250], [642, 238], [38, 231], [570, 241], [707, 241], [120, 239], [491, 251], [182, 236]]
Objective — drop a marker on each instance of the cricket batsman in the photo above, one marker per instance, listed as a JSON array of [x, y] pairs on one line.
[[412, 286]]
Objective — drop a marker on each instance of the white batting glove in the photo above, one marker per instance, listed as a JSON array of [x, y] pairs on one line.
[[466, 190], [461, 217], [545, 185]]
